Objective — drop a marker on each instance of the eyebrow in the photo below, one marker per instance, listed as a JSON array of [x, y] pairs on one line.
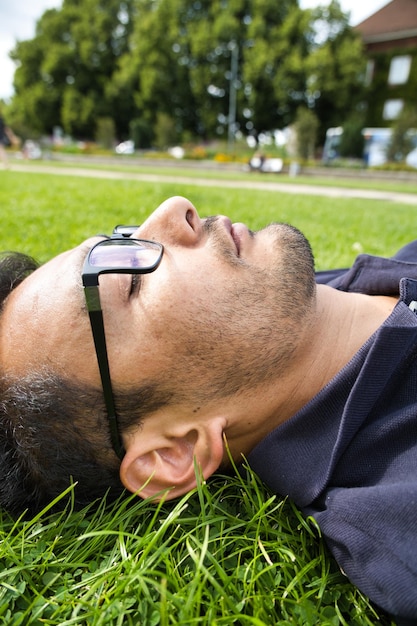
[[83, 250]]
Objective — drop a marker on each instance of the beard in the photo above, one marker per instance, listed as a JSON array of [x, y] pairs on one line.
[[245, 337]]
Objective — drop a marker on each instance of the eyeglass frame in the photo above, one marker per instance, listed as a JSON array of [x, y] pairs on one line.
[[90, 279]]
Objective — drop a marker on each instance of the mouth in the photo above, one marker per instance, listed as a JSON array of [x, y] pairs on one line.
[[239, 232]]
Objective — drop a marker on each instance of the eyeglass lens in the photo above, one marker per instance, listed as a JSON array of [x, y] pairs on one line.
[[124, 253]]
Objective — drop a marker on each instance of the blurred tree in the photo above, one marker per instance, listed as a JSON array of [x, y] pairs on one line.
[[157, 81], [165, 132], [189, 60], [141, 133], [352, 141], [274, 70], [335, 68], [36, 103], [306, 126], [105, 135], [63, 72], [403, 134], [183, 62]]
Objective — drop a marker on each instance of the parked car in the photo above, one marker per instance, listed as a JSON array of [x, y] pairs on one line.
[[260, 163], [126, 147]]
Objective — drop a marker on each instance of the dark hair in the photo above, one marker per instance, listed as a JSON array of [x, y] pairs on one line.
[[49, 428], [53, 431], [14, 267]]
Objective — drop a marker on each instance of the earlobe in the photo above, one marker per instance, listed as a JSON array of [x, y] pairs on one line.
[[169, 470]]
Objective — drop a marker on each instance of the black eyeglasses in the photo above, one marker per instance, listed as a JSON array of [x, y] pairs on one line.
[[118, 254]]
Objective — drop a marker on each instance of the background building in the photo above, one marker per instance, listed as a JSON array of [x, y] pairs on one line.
[[390, 38]]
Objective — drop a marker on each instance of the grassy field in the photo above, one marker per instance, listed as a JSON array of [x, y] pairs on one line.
[[230, 552], [45, 214]]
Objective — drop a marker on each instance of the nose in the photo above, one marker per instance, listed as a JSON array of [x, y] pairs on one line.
[[174, 222]]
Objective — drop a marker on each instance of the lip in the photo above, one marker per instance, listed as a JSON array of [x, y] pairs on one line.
[[238, 232]]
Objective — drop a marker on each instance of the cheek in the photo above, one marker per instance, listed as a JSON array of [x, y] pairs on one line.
[[170, 316], [176, 317], [183, 306], [200, 329]]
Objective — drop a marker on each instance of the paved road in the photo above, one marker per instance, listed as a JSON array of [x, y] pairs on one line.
[[312, 190]]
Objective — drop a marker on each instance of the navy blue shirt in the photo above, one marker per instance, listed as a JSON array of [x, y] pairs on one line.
[[349, 457]]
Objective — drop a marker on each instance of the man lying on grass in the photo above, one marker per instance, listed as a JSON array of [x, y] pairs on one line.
[[215, 334]]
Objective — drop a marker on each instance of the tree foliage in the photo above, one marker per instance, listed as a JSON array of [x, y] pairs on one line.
[[64, 71], [305, 125], [403, 135], [142, 61], [335, 67]]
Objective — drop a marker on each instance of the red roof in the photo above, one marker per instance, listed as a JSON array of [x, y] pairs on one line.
[[397, 19]]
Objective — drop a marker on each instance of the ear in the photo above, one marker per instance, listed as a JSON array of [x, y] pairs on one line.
[[164, 467]]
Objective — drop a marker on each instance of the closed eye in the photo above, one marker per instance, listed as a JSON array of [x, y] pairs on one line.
[[135, 284]]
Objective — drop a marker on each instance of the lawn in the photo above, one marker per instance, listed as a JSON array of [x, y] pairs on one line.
[[230, 552]]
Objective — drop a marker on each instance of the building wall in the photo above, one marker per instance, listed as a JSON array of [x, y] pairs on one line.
[[391, 80]]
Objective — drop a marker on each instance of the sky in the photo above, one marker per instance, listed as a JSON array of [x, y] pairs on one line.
[[18, 20]]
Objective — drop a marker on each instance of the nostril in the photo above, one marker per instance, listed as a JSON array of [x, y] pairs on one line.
[[189, 216]]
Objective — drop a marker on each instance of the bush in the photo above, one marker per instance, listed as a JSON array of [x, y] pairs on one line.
[[306, 127], [352, 140], [402, 139], [165, 132], [141, 134], [105, 132]]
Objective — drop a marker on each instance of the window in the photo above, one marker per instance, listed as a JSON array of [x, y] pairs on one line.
[[399, 70], [392, 109]]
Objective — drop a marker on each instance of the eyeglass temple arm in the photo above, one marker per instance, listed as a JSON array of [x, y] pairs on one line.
[[96, 318]]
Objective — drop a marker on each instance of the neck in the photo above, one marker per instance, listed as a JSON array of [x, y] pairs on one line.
[[342, 324]]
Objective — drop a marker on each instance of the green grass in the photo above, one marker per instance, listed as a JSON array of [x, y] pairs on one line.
[[46, 214], [228, 553]]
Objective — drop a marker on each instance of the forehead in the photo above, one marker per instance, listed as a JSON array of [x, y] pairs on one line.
[[44, 318]]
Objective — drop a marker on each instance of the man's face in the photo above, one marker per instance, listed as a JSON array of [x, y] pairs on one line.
[[222, 311]]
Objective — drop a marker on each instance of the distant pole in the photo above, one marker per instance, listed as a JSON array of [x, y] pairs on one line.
[[234, 48]]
